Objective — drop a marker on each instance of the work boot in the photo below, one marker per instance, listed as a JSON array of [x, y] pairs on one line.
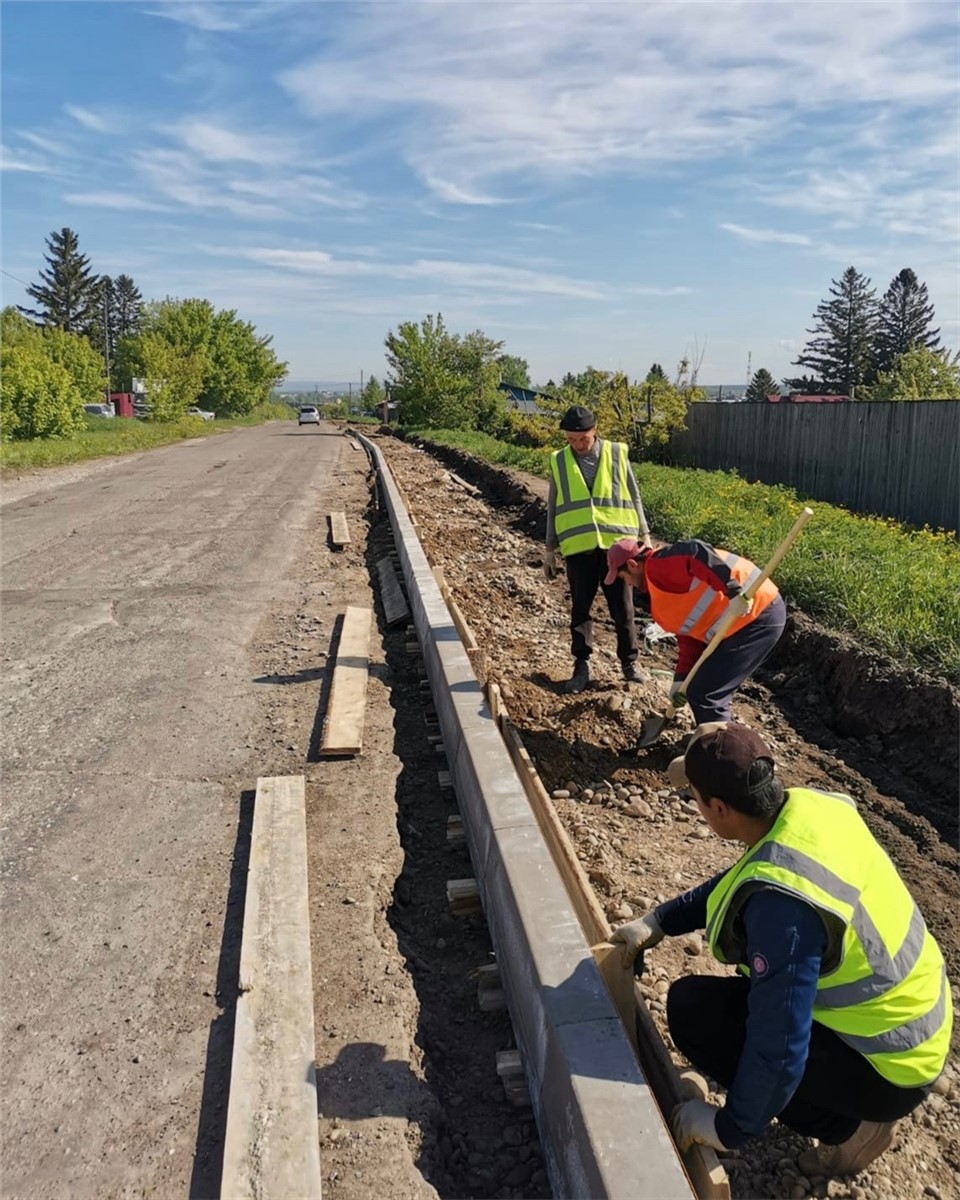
[[579, 679], [852, 1156], [634, 674]]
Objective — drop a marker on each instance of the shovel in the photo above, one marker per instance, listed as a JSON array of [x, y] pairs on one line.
[[654, 726]]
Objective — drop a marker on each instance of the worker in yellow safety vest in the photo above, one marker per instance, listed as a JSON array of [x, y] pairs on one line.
[[838, 1021], [593, 501]]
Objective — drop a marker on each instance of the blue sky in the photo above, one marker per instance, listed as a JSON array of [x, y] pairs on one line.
[[593, 184]]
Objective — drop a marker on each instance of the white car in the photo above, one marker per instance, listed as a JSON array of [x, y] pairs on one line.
[[308, 416], [201, 413], [99, 410]]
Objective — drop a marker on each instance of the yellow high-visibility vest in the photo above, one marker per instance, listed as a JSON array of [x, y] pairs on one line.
[[883, 985], [588, 520]]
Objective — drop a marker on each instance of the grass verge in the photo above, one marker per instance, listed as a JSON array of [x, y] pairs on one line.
[[106, 437], [891, 585]]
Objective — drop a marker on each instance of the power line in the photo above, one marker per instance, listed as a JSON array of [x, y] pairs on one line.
[[16, 277]]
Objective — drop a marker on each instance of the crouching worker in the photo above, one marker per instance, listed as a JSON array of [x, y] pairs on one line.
[[839, 1020], [690, 586]]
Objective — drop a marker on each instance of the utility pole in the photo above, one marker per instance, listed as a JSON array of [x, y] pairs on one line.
[[749, 361], [361, 392], [106, 340]]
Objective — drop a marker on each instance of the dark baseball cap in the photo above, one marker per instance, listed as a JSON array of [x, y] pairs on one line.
[[578, 420], [720, 761]]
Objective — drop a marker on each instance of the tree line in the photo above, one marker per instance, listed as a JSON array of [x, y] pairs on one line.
[[89, 334]]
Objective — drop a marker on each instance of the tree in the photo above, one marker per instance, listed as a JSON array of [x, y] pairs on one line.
[[442, 380], [238, 370], [68, 291], [761, 386], [806, 385], [920, 374], [656, 372], [372, 396], [904, 320], [841, 349], [514, 370], [38, 396], [127, 307], [172, 377]]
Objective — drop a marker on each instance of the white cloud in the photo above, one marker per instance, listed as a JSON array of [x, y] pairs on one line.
[[451, 273], [15, 160], [88, 119], [213, 17], [122, 201], [767, 236], [217, 144], [478, 94]]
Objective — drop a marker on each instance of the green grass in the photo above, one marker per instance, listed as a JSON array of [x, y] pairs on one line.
[[106, 437], [891, 585]]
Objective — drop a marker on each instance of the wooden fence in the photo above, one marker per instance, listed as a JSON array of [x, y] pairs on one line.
[[896, 459]]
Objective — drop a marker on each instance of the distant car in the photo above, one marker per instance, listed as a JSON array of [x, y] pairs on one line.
[[99, 410], [308, 416], [201, 413]]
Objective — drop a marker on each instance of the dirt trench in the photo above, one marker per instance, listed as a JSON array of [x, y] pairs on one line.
[[836, 716]]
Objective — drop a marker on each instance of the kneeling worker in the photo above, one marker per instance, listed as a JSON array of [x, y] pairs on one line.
[[839, 1021], [690, 585]]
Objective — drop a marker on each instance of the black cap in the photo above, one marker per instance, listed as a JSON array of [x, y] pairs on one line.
[[578, 420], [720, 762]]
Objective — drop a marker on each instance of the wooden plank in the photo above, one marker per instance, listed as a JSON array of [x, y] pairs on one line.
[[339, 533], [271, 1148], [346, 707], [395, 609], [703, 1166]]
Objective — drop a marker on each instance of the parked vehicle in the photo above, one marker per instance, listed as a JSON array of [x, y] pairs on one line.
[[308, 415], [99, 410], [200, 412]]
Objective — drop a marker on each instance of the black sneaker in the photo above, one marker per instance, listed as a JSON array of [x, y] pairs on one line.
[[634, 674], [579, 679]]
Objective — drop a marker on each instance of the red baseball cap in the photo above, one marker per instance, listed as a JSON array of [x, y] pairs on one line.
[[619, 554]]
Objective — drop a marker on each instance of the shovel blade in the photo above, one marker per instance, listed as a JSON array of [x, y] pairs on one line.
[[650, 731]]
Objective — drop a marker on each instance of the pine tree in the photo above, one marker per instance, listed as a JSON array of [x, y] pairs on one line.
[[655, 372], [128, 307], [841, 349], [904, 320], [68, 292], [761, 386]]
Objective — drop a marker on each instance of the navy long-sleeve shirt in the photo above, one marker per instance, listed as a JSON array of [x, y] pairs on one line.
[[785, 942]]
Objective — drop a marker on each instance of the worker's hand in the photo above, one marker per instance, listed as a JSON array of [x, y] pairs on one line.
[[641, 934], [694, 1124], [742, 605], [646, 542], [550, 566]]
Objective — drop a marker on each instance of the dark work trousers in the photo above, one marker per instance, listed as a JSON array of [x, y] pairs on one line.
[[585, 574], [736, 658], [707, 1016]]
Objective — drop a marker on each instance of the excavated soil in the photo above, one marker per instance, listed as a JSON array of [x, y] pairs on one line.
[[836, 716]]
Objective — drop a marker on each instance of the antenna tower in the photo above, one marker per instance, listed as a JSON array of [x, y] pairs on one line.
[[749, 362]]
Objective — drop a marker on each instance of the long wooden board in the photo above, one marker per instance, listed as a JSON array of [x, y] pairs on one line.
[[703, 1166], [271, 1148], [347, 704]]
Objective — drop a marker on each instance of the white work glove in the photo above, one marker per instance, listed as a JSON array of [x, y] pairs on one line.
[[742, 605], [550, 566], [694, 1124], [642, 934]]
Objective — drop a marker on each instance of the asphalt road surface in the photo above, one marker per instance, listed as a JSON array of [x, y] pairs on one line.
[[129, 597]]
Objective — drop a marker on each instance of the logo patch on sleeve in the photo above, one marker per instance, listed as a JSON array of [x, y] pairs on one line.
[[759, 965]]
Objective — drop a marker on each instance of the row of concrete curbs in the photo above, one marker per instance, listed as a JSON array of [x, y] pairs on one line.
[[601, 1127]]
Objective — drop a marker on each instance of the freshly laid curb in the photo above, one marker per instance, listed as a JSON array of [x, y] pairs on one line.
[[601, 1130]]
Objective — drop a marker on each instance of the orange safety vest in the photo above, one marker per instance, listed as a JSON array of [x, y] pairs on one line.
[[697, 612]]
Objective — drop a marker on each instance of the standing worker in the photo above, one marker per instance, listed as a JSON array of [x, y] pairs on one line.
[[838, 1022], [593, 501], [690, 585]]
